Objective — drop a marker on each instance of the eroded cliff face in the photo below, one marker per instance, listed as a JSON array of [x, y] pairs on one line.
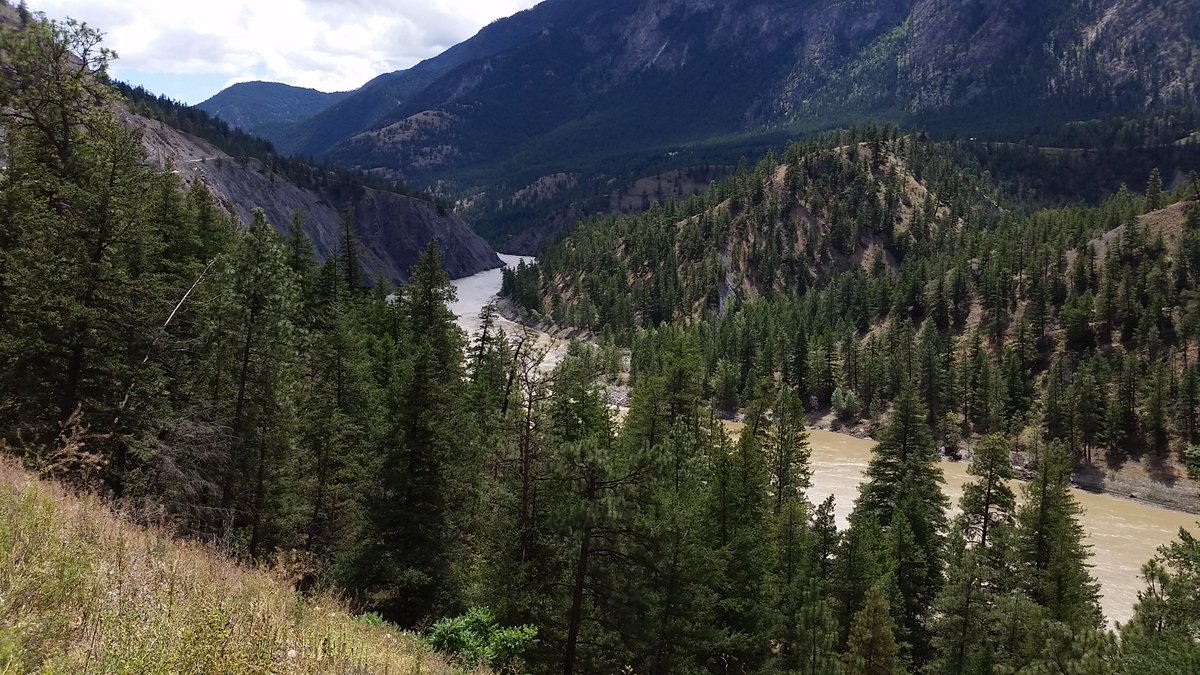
[[393, 228]]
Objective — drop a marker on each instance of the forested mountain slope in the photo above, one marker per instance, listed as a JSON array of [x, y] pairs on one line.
[[852, 266], [393, 228], [256, 106], [244, 173]]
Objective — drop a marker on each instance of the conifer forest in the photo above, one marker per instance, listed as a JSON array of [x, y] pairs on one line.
[[643, 502]]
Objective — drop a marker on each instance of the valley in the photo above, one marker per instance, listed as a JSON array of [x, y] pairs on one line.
[[1123, 533], [833, 338]]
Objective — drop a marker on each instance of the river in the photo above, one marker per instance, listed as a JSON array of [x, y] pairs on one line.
[[1124, 534], [476, 291]]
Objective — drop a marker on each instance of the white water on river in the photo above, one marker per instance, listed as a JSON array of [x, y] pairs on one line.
[[1124, 534]]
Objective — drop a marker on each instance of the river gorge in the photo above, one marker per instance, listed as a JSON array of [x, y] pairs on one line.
[[1124, 533]]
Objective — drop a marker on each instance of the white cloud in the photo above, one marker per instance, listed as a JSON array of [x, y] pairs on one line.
[[325, 44]]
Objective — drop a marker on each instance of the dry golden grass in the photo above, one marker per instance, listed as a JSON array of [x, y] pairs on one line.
[[83, 591]]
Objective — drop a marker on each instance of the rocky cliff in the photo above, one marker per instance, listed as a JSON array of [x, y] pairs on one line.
[[393, 228]]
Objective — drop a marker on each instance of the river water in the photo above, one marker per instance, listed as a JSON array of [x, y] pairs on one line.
[[1124, 534], [476, 291]]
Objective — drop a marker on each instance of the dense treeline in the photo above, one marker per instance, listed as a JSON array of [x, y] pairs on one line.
[[1166, 126], [220, 380], [852, 267]]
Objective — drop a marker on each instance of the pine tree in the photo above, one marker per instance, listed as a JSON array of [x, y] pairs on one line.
[[668, 599], [789, 452], [1161, 636], [590, 485], [1154, 191], [301, 255], [348, 253], [1050, 546], [863, 558], [903, 493], [977, 563], [814, 651], [988, 503], [423, 459], [871, 648], [903, 460], [255, 374], [738, 519], [960, 640], [81, 325], [793, 576], [340, 408]]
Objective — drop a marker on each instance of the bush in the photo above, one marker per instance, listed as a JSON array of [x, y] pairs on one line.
[[475, 638], [371, 619], [846, 404]]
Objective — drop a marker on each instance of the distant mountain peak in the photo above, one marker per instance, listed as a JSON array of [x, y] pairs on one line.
[[256, 106]]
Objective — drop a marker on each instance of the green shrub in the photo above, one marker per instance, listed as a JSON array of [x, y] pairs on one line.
[[846, 404], [475, 638], [371, 619]]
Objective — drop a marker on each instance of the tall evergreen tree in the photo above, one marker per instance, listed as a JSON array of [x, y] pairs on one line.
[[254, 373], [988, 503], [1054, 569], [816, 633], [902, 492], [978, 554], [422, 457], [788, 451]]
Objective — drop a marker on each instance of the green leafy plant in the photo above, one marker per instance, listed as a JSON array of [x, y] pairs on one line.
[[371, 619], [475, 637]]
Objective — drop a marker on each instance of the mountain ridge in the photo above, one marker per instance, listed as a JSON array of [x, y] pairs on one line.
[[829, 58], [590, 88], [255, 106], [393, 229]]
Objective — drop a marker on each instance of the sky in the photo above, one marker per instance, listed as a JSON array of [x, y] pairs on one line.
[[191, 49]]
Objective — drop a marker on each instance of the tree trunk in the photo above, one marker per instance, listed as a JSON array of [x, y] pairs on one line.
[[238, 413], [575, 616], [525, 526], [259, 496]]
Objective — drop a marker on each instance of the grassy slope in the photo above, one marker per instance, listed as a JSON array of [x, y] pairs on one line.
[[82, 590]]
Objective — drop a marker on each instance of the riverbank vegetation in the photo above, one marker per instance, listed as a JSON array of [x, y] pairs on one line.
[[849, 267]]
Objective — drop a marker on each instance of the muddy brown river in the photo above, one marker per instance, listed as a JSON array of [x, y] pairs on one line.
[[1124, 534]]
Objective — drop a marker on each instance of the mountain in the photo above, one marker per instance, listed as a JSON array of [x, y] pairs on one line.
[[599, 77], [244, 173], [255, 106], [592, 87], [380, 97]]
